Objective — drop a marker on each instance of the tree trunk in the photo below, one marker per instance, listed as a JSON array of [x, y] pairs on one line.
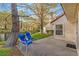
[[41, 18], [41, 30], [5, 35], [13, 36]]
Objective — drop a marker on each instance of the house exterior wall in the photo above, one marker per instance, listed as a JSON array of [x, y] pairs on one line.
[[69, 29], [62, 21], [70, 32]]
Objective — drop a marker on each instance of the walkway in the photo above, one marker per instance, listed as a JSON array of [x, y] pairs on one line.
[[51, 47]]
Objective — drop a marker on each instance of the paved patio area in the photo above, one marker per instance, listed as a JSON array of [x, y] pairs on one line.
[[51, 47]]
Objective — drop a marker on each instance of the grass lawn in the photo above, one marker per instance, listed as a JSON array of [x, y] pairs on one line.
[[5, 51], [2, 42], [38, 35], [10, 52]]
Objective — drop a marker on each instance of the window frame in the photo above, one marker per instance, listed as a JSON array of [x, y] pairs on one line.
[[62, 29]]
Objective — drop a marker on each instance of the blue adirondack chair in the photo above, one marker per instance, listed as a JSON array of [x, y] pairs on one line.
[[21, 36], [24, 40], [28, 35]]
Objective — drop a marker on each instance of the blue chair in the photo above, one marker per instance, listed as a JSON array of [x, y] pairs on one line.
[[21, 36], [28, 35], [24, 40], [29, 42]]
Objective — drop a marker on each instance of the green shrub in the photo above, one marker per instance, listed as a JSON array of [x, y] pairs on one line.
[[50, 32], [2, 42], [5, 51], [39, 36]]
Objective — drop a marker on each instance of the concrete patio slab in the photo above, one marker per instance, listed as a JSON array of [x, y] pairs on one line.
[[51, 47]]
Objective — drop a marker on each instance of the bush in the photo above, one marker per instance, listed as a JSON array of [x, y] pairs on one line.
[[39, 36], [2, 42], [50, 32], [5, 51], [34, 31]]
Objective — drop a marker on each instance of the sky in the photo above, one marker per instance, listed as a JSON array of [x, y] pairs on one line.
[[7, 7], [28, 11], [58, 10]]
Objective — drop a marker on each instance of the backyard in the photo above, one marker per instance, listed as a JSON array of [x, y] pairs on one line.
[[14, 50], [35, 29], [17, 19]]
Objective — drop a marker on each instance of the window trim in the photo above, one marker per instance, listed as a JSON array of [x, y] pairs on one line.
[[57, 29]]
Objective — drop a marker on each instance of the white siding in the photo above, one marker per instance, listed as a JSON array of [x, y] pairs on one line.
[[62, 21], [68, 28]]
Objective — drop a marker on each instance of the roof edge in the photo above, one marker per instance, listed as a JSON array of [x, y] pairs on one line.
[[57, 18]]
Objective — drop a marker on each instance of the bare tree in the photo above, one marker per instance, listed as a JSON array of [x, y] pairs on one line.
[[40, 11]]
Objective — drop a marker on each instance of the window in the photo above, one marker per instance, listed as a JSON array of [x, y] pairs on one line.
[[59, 29]]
